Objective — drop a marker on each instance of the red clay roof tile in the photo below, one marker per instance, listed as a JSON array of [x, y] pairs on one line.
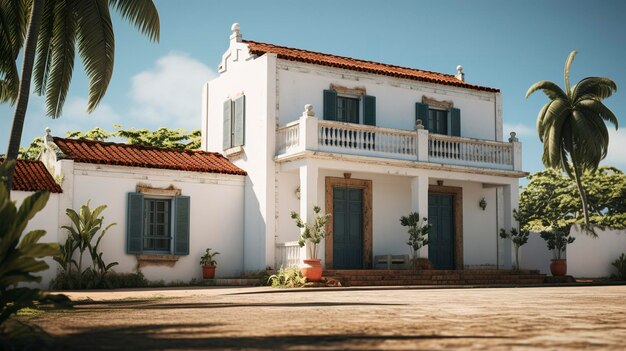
[[319, 58], [32, 176], [90, 151]]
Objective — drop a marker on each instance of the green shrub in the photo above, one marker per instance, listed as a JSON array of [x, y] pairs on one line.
[[620, 265], [287, 278], [113, 280]]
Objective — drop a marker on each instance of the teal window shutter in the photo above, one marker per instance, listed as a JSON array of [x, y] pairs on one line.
[[455, 125], [421, 113], [330, 105], [181, 225], [369, 110], [239, 121], [134, 223], [228, 131]]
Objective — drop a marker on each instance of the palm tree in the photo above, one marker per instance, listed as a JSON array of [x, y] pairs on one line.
[[54, 30], [571, 126]]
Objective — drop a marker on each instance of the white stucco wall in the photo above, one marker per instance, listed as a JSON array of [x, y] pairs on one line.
[[256, 80], [301, 84], [215, 219], [45, 219]]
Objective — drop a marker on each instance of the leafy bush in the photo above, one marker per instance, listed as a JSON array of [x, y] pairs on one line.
[[19, 261], [519, 238], [287, 278], [620, 265], [207, 258], [311, 233], [418, 231], [557, 240]]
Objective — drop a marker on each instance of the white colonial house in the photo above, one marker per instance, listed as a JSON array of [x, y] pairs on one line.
[[368, 142]]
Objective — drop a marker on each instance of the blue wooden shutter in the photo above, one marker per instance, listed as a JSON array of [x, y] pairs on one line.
[[228, 131], [134, 223], [421, 113], [330, 105], [239, 121], [455, 119], [369, 110], [181, 225]]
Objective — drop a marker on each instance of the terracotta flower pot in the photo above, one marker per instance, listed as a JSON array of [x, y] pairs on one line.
[[312, 269], [558, 267], [208, 272]]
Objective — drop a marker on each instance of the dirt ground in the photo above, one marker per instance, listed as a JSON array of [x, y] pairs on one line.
[[336, 319]]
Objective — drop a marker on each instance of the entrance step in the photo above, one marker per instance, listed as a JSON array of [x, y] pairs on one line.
[[390, 277]]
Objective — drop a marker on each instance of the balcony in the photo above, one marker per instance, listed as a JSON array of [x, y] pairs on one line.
[[310, 134]]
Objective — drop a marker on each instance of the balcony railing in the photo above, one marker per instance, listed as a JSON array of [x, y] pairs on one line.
[[311, 134]]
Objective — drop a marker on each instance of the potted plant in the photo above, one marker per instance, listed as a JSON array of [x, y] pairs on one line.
[[557, 240], [519, 238], [418, 232], [311, 234], [208, 264]]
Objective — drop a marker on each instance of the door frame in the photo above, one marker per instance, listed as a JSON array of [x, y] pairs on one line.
[[366, 186], [457, 193]]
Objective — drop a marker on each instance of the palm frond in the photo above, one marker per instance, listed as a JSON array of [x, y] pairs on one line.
[[62, 57], [568, 64], [599, 108], [96, 45], [593, 88], [142, 14], [549, 88], [44, 50]]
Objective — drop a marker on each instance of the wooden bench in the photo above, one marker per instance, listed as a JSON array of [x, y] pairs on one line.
[[391, 262]]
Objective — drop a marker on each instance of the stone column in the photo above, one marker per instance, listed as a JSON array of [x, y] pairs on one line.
[[308, 129], [308, 198], [511, 200], [419, 202]]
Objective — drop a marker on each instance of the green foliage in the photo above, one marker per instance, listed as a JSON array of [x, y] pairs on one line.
[[207, 258], [620, 265], [96, 133], [550, 200], [20, 261], [572, 127], [519, 238], [557, 240], [418, 231], [85, 227], [290, 277], [311, 233], [112, 280]]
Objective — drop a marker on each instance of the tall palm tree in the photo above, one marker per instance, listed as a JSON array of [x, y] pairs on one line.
[[53, 32], [572, 126]]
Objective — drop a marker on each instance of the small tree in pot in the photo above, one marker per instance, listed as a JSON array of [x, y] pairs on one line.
[[519, 238], [313, 235], [208, 264], [418, 233], [557, 240]]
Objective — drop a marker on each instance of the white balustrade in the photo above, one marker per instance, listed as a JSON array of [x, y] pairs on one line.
[[287, 254], [366, 140], [471, 152], [287, 138]]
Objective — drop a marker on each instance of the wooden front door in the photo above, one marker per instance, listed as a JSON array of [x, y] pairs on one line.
[[347, 228], [441, 236]]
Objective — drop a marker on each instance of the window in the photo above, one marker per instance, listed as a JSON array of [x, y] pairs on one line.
[[438, 121], [156, 228], [350, 109], [157, 225], [234, 122]]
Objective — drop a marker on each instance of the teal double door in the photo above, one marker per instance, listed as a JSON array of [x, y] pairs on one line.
[[347, 228], [441, 236]]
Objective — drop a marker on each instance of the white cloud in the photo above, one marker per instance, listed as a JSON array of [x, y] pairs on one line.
[[170, 92], [617, 148], [520, 129]]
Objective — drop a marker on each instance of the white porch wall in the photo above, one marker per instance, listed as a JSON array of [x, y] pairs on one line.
[[215, 219], [302, 84], [45, 219]]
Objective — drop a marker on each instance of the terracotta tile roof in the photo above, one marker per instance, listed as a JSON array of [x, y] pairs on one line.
[[319, 58], [89, 151], [32, 176]]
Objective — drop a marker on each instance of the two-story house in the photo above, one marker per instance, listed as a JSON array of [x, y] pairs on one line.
[[368, 142]]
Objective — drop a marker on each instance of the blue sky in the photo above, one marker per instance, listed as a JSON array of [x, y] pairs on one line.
[[504, 44]]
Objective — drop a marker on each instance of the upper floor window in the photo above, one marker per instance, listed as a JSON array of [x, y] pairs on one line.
[[439, 121], [234, 122], [350, 109]]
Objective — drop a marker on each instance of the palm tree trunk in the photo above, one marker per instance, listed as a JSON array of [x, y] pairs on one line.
[[583, 194], [24, 87]]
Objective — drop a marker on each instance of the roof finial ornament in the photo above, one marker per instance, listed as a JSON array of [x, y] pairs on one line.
[[459, 73], [235, 33], [48, 137], [513, 137], [308, 111]]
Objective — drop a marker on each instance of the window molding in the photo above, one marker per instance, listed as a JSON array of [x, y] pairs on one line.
[[167, 260], [349, 92], [438, 104], [149, 190]]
